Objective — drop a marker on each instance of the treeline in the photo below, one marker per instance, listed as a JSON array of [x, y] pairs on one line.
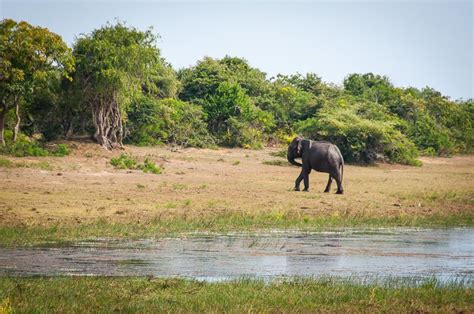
[[115, 86]]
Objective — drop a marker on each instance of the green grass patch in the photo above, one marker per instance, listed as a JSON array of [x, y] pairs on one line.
[[218, 223], [43, 165], [127, 161], [433, 197], [5, 163], [154, 295]]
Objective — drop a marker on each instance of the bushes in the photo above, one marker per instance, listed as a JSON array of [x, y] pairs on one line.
[[360, 138], [127, 161], [430, 137], [25, 146], [124, 161], [170, 121]]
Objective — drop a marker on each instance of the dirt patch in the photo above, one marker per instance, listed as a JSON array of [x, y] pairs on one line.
[[206, 183]]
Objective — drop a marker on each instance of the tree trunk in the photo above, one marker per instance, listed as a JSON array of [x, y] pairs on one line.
[[3, 117], [69, 130], [108, 123], [16, 131]]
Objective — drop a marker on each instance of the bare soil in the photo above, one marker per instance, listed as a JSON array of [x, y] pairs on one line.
[[83, 187]]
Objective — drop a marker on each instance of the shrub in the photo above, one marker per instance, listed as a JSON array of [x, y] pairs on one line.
[[127, 161], [24, 146], [61, 150], [150, 166], [242, 134], [430, 136], [362, 131], [124, 161], [171, 121]]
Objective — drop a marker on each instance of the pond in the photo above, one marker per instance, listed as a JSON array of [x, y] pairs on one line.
[[446, 254]]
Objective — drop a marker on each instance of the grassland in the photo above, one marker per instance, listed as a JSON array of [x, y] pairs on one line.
[[82, 196], [92, 294]]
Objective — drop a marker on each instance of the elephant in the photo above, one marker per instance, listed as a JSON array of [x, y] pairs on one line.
[[321, 156]]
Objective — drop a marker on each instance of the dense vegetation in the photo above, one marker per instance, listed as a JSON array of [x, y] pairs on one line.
[[115, 86]]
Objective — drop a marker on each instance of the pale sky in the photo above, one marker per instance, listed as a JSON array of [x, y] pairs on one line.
[[416, 43]]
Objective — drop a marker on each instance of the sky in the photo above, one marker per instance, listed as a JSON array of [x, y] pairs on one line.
[[415, 43]]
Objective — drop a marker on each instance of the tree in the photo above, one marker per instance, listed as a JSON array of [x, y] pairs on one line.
[[152, 121], [116, 64], [230, 93], [30, 56], [203, 79], [370, 86], [310, 83]]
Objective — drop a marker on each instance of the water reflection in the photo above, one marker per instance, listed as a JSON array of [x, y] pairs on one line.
[[445, 254]]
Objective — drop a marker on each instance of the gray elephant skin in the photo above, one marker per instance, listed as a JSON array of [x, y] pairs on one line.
[[321, 156]]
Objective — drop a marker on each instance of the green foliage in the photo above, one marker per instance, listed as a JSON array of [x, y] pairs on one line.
[[124, 161], [150, 166], [127, 161], [170, 121], [116, 64], [26, 146], [229, 90], [363, 131], [229, 100], [61, 150], [430, 136], [32, 58], [122, 88], [242, 134], [202, 80]]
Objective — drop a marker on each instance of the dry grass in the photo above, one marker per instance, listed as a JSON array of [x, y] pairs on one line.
[[200, 183]]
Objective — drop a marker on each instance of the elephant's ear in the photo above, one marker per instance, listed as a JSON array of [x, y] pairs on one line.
[[299, 147]]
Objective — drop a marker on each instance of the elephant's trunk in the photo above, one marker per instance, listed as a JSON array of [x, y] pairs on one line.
[[292, 161]]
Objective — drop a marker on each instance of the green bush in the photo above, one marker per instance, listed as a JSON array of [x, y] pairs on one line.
[[242, 134], [150, 166], [363, 132], [25, 146], [61, 150], [127, 161], [124, 161], [171, 121], [430, 136]]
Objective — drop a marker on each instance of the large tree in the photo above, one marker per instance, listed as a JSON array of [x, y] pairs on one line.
[[30, 56], [116, 64]]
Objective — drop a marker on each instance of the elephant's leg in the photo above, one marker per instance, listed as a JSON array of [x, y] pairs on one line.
[[298, 181], [328, 186], [306, 179]]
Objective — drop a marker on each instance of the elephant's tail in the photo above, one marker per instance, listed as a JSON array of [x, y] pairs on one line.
[[341, 162], [341, 169]]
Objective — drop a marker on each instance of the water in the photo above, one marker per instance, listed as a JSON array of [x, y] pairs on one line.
[[374, 253]]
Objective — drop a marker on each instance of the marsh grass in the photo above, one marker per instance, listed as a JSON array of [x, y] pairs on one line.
[[135, 294], [222, 223]]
